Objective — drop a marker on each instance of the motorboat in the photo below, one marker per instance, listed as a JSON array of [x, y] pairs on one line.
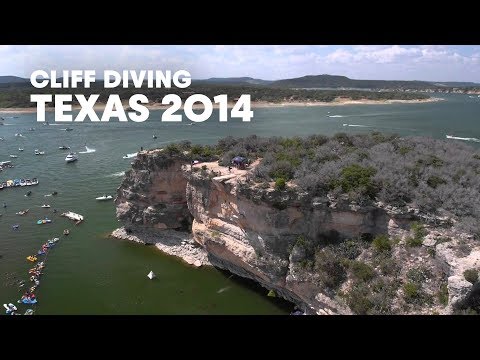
[[154, 136], [20, 149], [29, 192], [31, 129], [44, 221], [73, 216], [23, 212], [71, 158], [104, 197], [10, 308], [46, 206], [14, 156], [38, 152], [63, 147], [67, 129], [66, 232]]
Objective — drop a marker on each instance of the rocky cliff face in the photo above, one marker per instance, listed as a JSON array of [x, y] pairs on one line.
[[261, 234], [152, 194]]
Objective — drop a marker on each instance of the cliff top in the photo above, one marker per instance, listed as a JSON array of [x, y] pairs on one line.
[[438, 177]]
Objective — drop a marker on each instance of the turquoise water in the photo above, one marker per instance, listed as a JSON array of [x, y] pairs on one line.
[[89, 273]]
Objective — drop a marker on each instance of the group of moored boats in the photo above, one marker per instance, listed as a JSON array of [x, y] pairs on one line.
[[18, 182], [29, 297], [71, 157], [5, 165]]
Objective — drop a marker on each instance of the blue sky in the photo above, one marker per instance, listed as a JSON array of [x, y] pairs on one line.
[[391, 62]]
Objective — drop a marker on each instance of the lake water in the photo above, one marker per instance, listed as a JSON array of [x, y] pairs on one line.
[[89, 273]]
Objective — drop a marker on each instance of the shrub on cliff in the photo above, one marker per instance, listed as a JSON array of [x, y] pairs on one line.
[[471, 275], [329, 268], [356, 178], [362, 271], [419, 233], [411, 292], [442, 294], [382, 243], [280, 183], [358, 299]]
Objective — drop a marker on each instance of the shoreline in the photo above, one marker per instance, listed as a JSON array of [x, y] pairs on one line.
[[254, 105], [170, 242]]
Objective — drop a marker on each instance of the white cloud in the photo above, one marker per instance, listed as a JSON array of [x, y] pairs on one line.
[[428, 62]]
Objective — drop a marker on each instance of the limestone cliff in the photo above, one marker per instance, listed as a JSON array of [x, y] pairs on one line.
[[286, 239]]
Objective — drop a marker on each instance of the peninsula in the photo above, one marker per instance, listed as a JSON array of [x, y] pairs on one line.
[[352, 224]]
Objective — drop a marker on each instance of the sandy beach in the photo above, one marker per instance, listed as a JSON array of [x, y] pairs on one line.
[[255, 104]]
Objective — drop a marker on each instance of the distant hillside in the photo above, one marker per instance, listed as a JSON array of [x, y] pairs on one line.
[[235, 81], [456, 84], [12, 80], [335, 81]]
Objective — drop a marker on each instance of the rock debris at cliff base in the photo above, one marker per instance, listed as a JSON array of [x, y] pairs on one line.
[[176, 243]]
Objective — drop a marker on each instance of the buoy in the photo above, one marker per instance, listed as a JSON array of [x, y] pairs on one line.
[[151, 275]]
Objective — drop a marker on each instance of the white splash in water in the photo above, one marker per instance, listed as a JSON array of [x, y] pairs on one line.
[[223, 289], [462, 138], [87, 150], [355, 125], [117, 174], [129, 156]]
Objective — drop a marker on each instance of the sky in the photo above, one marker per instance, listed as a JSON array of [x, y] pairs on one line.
[[269, 62]]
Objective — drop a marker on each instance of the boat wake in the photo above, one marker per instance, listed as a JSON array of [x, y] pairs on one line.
[[129, 156], [87, 150], [355, 125], [462, 138], [117, 174], [335, 116], [223, 289]]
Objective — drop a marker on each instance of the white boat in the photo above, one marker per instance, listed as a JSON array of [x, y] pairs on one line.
[[20, 149], [63, 147], [45, 206], [10, 307], [73, 216], [151, 275], [14, 156], [71, 158], [104, 197], [38, 152], [129, 156]]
